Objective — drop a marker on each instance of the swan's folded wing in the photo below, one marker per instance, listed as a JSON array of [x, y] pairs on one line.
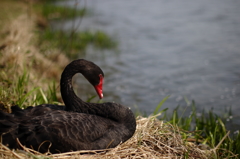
[[70, 132], [85, 131]]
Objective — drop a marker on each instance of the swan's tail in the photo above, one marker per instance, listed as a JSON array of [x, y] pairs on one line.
[[8, 130]]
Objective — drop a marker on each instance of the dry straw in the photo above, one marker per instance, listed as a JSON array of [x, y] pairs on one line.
[[152, 139], [21, 53]]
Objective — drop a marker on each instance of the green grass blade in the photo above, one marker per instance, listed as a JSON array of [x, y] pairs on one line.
[[43, 95], [156, 111], [91, 98], [23, 98]]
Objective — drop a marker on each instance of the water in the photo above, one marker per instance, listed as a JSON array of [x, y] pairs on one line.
[[179, 48]]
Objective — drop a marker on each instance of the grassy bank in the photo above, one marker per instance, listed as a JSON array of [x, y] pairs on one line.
[[24, 68], [30, 73]]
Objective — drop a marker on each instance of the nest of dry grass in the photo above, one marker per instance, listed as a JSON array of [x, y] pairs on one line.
[[153, 139]]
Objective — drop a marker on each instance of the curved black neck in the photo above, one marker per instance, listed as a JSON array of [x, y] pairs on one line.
[[71, 100]]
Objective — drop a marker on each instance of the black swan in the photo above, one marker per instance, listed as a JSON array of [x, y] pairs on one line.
[[78, 126]]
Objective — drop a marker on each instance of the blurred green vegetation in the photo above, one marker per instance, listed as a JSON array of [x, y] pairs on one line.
[[72, 42]]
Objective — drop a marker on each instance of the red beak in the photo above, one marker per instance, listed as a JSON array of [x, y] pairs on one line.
[[98, 87]]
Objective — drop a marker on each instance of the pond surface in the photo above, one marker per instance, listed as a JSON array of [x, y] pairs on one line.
[[180, 48]]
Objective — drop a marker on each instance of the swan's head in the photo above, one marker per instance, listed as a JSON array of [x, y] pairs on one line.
[[94, 75], [89, 70]]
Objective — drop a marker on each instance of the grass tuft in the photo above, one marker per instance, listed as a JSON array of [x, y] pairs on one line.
[[206, 128]]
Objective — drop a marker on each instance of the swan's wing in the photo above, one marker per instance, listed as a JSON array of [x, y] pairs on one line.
[[69, 131]]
